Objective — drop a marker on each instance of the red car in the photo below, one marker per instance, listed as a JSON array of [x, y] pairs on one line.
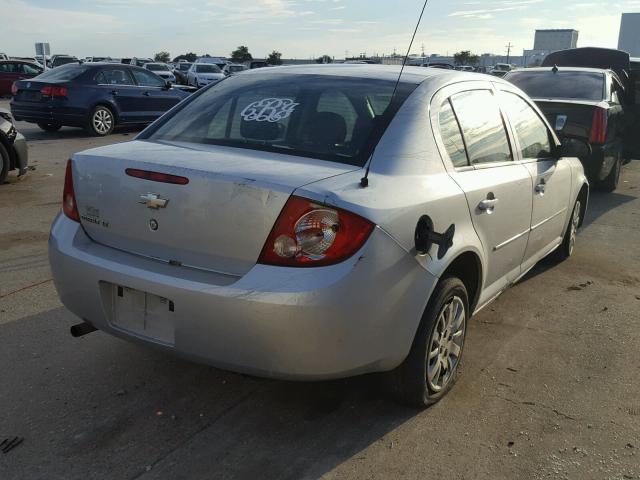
[[14, 70]]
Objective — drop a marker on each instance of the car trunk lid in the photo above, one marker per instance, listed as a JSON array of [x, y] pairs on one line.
[[570, 117], [218, 221]]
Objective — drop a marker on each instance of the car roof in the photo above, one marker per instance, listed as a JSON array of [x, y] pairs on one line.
[[17, 60], [415, 75]]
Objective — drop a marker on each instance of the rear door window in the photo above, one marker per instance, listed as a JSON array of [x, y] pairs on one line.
[[28, 69], [482, 126], [533, 135], [116, 76], [451, 136]]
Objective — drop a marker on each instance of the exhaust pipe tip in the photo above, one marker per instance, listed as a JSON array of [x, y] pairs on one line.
[[81, 329]]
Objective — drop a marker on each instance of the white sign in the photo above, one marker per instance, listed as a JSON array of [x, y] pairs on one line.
[[269, 110], [42, 49]]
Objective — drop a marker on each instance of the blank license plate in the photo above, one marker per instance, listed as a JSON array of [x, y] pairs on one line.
[[144, 314]]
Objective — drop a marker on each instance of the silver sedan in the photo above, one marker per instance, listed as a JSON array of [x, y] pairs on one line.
[[318, 222]]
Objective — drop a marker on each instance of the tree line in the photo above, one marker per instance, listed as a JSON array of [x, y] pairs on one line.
[[239, 55]]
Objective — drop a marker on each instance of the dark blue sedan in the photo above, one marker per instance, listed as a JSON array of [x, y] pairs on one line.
[[95, 96]]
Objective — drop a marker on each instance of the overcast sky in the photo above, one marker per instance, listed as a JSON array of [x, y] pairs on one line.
[[297, 28]]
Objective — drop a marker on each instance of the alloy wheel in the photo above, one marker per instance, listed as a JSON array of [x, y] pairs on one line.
[[575, 221], [102, 121], [445, 344]]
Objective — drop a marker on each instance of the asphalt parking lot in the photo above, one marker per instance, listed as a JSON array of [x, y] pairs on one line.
[[550, 385]]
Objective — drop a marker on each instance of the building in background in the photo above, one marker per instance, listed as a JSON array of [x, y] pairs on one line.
[[548, 41], [554, 40], [629, 39]]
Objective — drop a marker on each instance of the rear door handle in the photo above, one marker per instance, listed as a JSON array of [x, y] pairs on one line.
[[488, 205], [114, 92], [146, 94]]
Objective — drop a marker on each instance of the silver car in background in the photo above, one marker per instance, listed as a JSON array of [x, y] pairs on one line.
[[162, 70], [318, 222], [202, 74]]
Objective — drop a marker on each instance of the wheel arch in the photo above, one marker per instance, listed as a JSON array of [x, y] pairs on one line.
[[583, 196], [111, 106], [467, 266]]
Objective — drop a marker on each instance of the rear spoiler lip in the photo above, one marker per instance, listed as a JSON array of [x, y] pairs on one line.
[[571, 101]]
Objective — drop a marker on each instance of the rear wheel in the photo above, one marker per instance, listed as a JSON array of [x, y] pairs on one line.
[[5, 164], [50, 127], [565, 250], [102, 121], [431, 368], [610, 183]]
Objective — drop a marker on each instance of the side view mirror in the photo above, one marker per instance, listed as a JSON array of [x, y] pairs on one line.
[[574, 147], [167, 85]]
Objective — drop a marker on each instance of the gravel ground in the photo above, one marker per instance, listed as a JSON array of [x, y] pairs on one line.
[[549, 387]]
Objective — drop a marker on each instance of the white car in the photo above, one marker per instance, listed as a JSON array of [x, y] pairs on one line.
[[162, 70], [317, 222], [202, 74]]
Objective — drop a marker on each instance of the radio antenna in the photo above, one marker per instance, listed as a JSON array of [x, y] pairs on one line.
[[364, 181]]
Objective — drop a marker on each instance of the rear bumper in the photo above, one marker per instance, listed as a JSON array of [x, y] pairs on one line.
[[48, 113], [356, 317]]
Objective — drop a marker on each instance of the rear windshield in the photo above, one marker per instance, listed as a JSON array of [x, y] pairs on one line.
[[326, 117], [207, 68], [65, 72], [569, 85], [157, 67], [184, 66]]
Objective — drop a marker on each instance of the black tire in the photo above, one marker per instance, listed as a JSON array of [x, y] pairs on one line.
[[50, 127], [102, 121], [5, 164], [410, 382], [565, 250], [610, 183]]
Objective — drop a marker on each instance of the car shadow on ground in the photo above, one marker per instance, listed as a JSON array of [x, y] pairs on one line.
[[33, 133], [118, 410], [79, 402]]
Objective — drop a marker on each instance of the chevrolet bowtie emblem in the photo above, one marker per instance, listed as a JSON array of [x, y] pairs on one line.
[[152, 200]]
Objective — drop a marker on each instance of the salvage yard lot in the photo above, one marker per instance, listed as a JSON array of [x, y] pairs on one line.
[[549, 387]]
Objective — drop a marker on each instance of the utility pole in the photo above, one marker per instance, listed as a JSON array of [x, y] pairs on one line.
[[509, 51]]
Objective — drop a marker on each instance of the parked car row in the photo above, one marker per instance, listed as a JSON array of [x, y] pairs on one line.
[[360, 244], [589, 93]]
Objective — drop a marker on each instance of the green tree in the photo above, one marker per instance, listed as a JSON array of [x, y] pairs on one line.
[[274, 58], [241, 54], [189, 57], [465, 57], [162, 57], [324, 59]]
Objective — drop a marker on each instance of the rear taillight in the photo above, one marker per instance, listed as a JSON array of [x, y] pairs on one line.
[[598, 134], [53, 91], [69, 206], [307, 234], [14, 89]]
